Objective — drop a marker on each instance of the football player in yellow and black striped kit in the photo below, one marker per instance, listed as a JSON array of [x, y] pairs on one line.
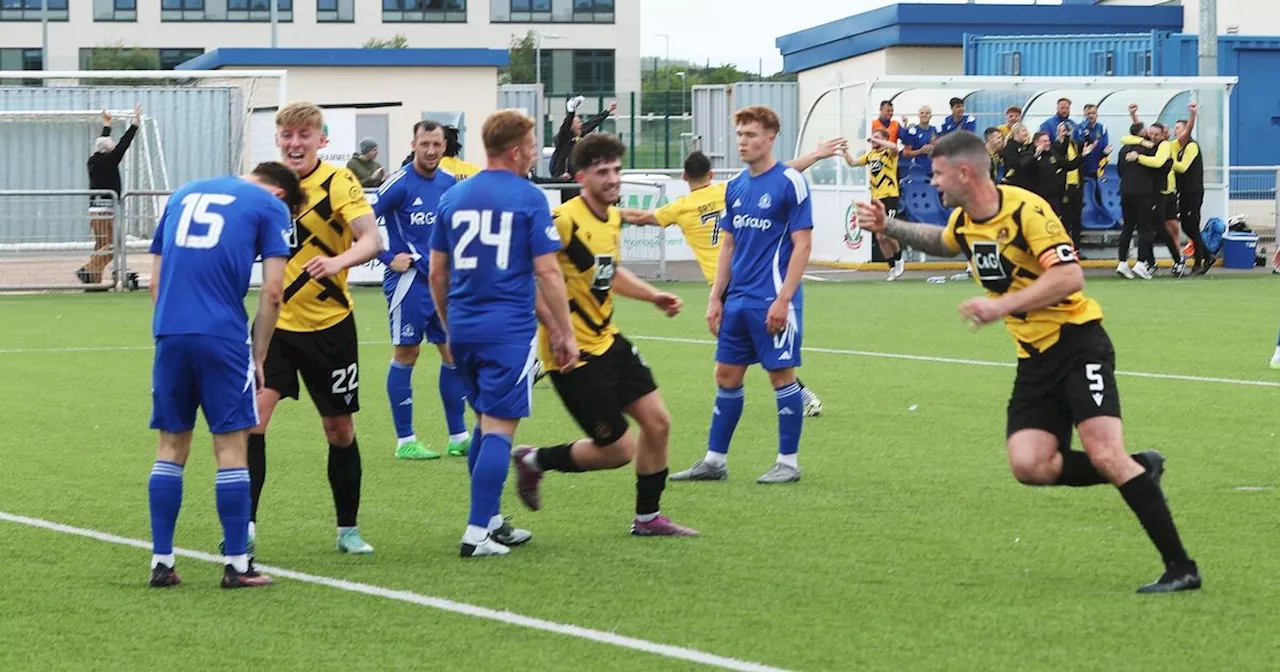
[[698, 216], [881, 161], [1020, 253], [611, 381], [315, 337]]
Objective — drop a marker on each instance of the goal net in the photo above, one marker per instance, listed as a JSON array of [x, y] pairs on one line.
[[194, 124]]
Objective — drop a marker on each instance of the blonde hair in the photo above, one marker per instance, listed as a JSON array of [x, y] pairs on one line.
[[758, 114], [304, 115], [505, 129]]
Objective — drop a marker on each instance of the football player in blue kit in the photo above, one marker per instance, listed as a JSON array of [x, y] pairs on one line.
[[406, 208], [205, 245], [756, 306], [493, 241]]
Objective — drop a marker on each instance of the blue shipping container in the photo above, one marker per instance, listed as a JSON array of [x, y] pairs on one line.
[[1255, 100], [1119, 55]]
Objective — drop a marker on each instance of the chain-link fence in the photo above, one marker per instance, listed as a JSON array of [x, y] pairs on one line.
[[59, 239]]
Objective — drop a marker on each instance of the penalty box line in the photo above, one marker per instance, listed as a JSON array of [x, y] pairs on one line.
[[442, 604]]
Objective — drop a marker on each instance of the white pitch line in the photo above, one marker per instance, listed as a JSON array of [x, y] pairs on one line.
[[510, 618], [700, 341], [976, 362]]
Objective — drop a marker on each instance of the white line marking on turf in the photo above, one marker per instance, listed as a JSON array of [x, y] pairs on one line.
[[700, 341], [510, 618], [975, 362]]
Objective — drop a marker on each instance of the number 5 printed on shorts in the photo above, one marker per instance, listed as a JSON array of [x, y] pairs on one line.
[[1097, 385], [345, 382]]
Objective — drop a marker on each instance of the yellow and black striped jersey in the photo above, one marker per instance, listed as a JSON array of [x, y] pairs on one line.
[[458, 168], [334, 200], [882, 166], [1010, 251], [588, 260], [698, 216]]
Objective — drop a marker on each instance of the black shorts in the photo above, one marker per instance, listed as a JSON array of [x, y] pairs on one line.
[[891, 206], [328, 361], [1071, 382], [1168, 206], [596, 393]]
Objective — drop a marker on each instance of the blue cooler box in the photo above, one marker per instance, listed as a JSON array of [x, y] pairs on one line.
[[1239, 250]]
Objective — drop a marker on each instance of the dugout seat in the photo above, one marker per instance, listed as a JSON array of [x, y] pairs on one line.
[[1102, 202], [922, 203]]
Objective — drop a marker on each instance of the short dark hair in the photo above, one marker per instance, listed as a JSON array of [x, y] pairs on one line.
[[991, 129], [1039, 134], [281, 176], [1090, 106], [1183, 122], [452, 145], [1136, 128], [426, 125], [964, 145], [1013, 108], [886, 102], [697, 165], [596, 148], [956, 101], [1159, 126], [1065, 100]]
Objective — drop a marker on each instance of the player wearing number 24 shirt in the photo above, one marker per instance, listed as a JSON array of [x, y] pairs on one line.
[[1020, 253]]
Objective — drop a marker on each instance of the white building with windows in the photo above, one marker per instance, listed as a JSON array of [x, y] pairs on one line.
[[591, 47]]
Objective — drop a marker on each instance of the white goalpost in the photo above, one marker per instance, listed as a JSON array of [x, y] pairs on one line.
[[195, 124]]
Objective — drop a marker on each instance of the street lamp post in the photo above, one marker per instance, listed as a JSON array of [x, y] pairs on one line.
[[683, 87], [667, 39]]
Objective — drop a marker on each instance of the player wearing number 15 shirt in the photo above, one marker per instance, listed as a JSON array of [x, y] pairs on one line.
[[206, 358], [493, 234], [1020, 253], [316, 337]]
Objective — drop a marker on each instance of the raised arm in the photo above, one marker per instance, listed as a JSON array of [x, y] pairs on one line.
[[927, 238], [637, 217], [825, 150]]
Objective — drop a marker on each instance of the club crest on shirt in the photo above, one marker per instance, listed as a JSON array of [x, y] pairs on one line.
[[1003, 235], [765, 201]]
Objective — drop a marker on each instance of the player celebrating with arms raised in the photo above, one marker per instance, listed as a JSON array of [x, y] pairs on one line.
[[494, 235], [1022, 256], [755, 307], [406, 206], [612, 379], [316, 336], [208, 237]]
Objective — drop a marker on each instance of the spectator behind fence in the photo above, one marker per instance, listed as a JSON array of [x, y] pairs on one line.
[[104, 174], [1018, 157], [1092, 131], [958, 120], [364, 166], [1062, 116], [571, 131], [918, 142], [1012, 117], [885, 122]]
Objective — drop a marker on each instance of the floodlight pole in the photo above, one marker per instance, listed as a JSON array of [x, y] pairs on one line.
[[275, 23], [44, 34], [1213, 144]]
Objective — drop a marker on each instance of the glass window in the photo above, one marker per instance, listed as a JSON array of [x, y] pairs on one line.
[[330, 11], [231, 10], [551, 11], [172, 58], [424, 11], [593, 72], [30, 10], [21, 59]]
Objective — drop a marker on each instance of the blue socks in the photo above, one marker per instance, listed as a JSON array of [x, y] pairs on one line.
[[232, 492], [454, 398], [473, 453], [165, 488], [488, 477], [790, 418], [724, 419], [400, 392]]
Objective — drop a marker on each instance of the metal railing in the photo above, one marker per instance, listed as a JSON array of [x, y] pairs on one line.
[[60, 239], [1252, 193]]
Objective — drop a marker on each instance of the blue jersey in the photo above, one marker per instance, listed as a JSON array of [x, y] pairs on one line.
[[916, 138], [208, 237], [1050, 126], [966, 123], [406, 208], [1096, 133], [492, 226], [763, 211]]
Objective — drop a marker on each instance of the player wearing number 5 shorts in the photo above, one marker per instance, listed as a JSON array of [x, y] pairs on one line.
[[316, 338], [1020, 253], [612, 381]]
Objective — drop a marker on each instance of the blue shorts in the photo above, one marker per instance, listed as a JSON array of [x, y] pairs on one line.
[[498, 377], [410, 310], [198, 371], [745, 340]]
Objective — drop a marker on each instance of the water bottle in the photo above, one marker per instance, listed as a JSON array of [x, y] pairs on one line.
[[937, 279]]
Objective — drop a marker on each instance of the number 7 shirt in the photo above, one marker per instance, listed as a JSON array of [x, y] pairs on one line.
[[1013, 249]]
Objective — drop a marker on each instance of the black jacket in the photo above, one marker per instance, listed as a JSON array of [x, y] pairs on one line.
[[1136, 180], [1018, 159], [1049, 173], [104, 167], [565, 140]]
